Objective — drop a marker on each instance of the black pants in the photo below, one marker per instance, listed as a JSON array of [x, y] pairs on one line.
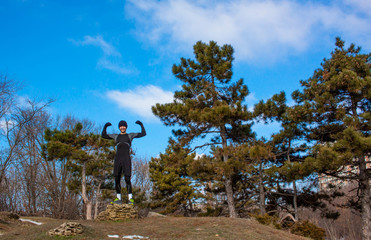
[[122, 165]]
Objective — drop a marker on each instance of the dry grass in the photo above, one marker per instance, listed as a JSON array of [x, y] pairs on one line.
[[153, 228]]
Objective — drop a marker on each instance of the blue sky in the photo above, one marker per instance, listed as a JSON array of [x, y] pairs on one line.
[[107, 60]]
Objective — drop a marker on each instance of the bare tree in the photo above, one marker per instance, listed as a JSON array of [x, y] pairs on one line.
[[20, 139], [13, 132], [8, 88], [30, 162], [141, 177]]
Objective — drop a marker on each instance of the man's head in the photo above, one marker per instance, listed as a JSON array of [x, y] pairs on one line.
[[123, 126]]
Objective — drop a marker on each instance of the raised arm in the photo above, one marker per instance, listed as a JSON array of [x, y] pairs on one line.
[[143, 133], [104, 132]]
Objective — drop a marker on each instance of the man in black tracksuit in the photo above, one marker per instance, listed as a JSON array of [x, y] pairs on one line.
[[122, 163]]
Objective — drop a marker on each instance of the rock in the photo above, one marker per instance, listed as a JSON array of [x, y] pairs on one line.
[[142, 213], [154, 214], [117, 212], [67, 229]]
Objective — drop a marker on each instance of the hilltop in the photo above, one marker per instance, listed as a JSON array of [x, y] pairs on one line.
[[152, 228]]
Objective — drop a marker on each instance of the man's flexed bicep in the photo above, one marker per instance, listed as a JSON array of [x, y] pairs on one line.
[[104, 132], [143, 132]]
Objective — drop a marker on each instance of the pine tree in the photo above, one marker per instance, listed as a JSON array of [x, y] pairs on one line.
[[88, 160], [261, 153], [335, 103], [209, 104], [173, 188], [288, 146]]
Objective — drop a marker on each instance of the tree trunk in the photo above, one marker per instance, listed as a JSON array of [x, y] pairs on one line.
[[295, 200], [230, 198], [60, 194], [190, 206], [295, 197], [87, 203], [210, 202], [97, 201], [89, 208], [261, 189], [365, 199], [228, 179]]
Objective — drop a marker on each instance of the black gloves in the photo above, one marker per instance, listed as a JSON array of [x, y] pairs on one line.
[[139, 122]]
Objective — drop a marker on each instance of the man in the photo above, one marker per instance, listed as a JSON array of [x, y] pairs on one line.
[[122, 163]]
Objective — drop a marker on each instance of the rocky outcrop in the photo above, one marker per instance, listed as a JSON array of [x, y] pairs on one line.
[[117, 212], [67, 229]]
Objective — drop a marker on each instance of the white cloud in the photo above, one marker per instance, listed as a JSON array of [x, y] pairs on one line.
[[251, 98], [141, 99], [115, 66], [258, 30], [250, 101], [198, 156], [3, 124], [363, 6], [111, 58], [98, 41], [23, 101]]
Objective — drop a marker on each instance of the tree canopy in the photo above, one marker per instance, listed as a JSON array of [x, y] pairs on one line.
[[209, 105]]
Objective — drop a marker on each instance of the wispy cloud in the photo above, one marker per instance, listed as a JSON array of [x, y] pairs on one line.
[[115, 66], [3, 125], [250, 101], [111, 58], [98, 41], [140, 100], [258, 30]]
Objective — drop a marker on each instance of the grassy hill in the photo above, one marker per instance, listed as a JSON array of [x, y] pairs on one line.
[[151, 227]]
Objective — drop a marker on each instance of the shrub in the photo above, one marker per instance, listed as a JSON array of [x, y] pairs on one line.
[[266, 219], [308, 229], [211, 212]]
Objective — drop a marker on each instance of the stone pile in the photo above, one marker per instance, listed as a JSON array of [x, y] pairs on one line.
[[67, 229], [117, 212]]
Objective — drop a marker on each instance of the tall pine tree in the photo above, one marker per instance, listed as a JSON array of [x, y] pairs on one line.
[[335, 102], [209, 104]]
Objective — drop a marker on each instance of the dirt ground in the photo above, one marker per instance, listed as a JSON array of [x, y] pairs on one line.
[[150, 228]]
